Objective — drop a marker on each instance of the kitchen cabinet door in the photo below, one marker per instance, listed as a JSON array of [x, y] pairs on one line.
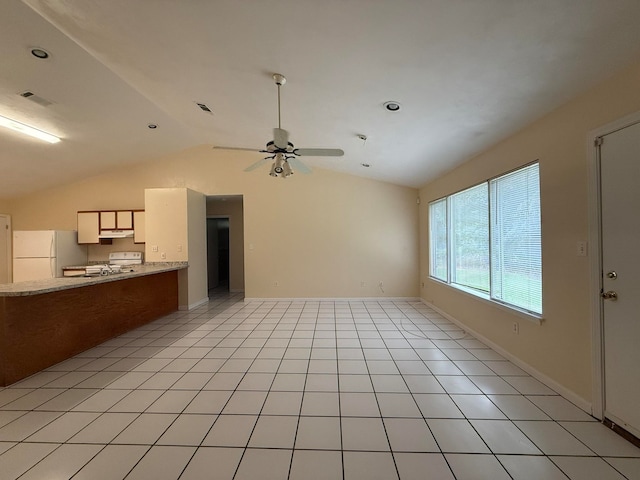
[[107, 220], [88, 227], [124, 220], [138, 227]]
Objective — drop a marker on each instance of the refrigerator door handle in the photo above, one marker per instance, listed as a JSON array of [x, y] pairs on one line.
[[51, 252], [52, 266]]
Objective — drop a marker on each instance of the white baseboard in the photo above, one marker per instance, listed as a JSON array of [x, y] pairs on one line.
[[570, 395], [194, 304], [332, 299]]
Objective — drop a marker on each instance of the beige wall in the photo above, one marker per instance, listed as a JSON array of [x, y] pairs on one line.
[[561, 347], [232, 207], [197, 248], [166, 225], [317, 235], [175, 221]]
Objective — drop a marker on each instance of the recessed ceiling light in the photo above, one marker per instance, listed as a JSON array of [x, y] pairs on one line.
[[391, 106], [39, 53], [152, 126]]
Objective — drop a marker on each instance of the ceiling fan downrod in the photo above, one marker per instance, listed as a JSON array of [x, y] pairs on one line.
[[280, 80]]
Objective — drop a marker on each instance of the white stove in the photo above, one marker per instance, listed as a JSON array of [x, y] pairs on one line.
[[119, 262], [125, 258]]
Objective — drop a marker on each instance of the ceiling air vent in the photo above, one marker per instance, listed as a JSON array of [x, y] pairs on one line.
[[204, 108], [35, 98]]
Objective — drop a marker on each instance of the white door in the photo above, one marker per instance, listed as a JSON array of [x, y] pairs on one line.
[[5, 249], [620, 193]]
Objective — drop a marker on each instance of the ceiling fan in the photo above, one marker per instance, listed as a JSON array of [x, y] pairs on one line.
[[282, 151]]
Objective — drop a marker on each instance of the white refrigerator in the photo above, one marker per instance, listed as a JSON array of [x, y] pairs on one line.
[[39, 255]]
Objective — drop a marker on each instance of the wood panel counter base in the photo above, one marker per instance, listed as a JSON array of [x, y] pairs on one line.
[[38, 331]]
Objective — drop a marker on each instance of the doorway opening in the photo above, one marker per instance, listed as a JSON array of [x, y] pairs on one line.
[[218, 253], [225, 244]]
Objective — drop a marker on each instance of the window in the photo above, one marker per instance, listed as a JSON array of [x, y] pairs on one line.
[[438, 245], [470, 238], [487, 240]]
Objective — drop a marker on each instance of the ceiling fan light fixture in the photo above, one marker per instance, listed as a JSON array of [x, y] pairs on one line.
[[279, 164], [391, 106], [287, 171]]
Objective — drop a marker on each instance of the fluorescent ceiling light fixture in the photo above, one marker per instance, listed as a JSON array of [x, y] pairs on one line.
[[27, 130]]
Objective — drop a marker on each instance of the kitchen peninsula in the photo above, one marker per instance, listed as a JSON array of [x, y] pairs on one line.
[[47, 321]]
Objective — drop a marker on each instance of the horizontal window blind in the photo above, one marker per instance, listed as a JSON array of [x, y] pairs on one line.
[[470, 238], [516, 247], [488, 238]]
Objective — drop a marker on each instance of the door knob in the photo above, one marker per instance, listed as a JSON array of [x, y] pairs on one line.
[[612, 275], [610, 295]]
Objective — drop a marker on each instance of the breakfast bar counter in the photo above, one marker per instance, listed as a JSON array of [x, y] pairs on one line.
[[37, 287], [47, 321]]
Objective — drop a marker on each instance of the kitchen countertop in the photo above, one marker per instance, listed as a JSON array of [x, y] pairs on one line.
[[37, 287]]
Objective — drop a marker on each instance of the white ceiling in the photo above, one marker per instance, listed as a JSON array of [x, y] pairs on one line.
[[468, 73]]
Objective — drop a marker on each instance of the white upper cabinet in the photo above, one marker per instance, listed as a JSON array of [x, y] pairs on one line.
[[124, 220], [138, 227], [88, 227], [107, 220], [91, 225]]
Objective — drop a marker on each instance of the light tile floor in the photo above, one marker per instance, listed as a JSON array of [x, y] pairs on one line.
[[299, 390]]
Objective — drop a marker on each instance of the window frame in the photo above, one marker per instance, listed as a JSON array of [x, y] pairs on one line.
[[532, 315]]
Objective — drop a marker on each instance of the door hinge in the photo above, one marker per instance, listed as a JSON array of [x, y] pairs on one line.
[[598, 141]]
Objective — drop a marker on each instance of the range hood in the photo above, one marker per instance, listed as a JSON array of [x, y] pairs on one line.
[[115, 233]]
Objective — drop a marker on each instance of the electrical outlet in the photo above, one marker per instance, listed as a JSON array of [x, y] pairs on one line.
[[422, 284], [179, 248], [515, 328], [363, 284], [154, 248]]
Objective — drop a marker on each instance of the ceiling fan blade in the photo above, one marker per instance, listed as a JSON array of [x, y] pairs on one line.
[[280, 138], [318, 152], [237, 148], [298, 166], [258, 164]]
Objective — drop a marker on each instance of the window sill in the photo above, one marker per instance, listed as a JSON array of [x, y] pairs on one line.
[[475, 294]]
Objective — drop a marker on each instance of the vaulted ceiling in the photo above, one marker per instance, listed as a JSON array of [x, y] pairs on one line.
[[467, 74]]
